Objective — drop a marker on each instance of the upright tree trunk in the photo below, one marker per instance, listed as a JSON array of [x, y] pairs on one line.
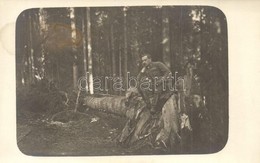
[[108, 71], [23, 69], [58, 71], [84, 49], [113, 57], [43, 28], [166, 37], [31, 50], [113, 51], [74, 50], [90, 71], [174, 40], [134, 58], [125, 50], [120, 64], [75, 76]]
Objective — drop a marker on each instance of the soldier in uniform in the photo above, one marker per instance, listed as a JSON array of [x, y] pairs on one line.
[[158, 77], [162, 127]]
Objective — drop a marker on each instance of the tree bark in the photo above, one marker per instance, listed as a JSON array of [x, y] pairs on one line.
[[90, 71], [31, 50], [74, 37], [75, 76], [84, 49], [23, 69], [113, 51], [58, 71], [125, 50], [108, 71], [166, 37], [120, 64], [112, 104], [43, 28]]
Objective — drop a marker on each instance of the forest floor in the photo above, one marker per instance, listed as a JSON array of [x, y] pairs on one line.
[[48, 127], [92, 133]]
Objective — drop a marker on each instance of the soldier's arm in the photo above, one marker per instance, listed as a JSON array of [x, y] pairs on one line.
[[164, 69]]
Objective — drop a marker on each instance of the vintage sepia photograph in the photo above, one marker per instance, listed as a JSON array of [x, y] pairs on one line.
[[123, 80]]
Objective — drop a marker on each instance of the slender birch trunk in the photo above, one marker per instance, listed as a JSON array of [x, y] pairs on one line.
[[90, 62], [74, 50]]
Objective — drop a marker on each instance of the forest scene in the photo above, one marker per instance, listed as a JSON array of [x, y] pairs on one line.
[[73, 67]]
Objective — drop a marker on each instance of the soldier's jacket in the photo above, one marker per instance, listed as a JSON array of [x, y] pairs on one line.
[[155, 75]]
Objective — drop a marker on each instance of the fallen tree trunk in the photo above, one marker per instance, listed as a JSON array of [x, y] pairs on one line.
[[112, 104], [143, 125]]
